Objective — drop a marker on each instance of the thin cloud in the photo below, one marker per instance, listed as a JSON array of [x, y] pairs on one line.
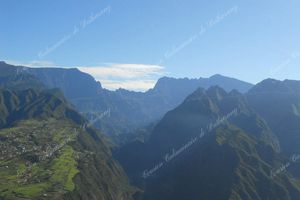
[[126, 71], [136, 85], [138, 77]]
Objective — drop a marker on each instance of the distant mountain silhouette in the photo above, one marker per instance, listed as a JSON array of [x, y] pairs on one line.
[[128, 109]]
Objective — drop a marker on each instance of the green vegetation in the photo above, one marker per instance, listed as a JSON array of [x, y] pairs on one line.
[[64, 169], [36, 159]]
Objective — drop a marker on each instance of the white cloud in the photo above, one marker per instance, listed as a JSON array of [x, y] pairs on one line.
[[127, 71], [136, 85], [139, 77]]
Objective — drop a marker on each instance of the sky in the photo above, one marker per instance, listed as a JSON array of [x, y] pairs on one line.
[[131, 43]]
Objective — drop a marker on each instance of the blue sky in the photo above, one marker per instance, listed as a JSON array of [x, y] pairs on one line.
[[132, 43]]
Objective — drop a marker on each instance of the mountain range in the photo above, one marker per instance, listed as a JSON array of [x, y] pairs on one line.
[[64, 136], [128, 110]]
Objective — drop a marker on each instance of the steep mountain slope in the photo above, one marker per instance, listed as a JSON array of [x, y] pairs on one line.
[[46, 151], [73, 83], [278, 102], [213, 146]]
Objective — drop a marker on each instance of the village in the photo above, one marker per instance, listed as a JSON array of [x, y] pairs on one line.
[[31, 148]]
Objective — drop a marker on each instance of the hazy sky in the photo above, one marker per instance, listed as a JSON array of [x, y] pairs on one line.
[[131, 43]]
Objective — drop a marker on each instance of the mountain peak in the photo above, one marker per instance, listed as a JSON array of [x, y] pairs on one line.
[[218, 76], [216, 92]]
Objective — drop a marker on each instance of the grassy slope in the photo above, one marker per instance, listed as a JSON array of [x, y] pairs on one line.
[[46, 154]]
